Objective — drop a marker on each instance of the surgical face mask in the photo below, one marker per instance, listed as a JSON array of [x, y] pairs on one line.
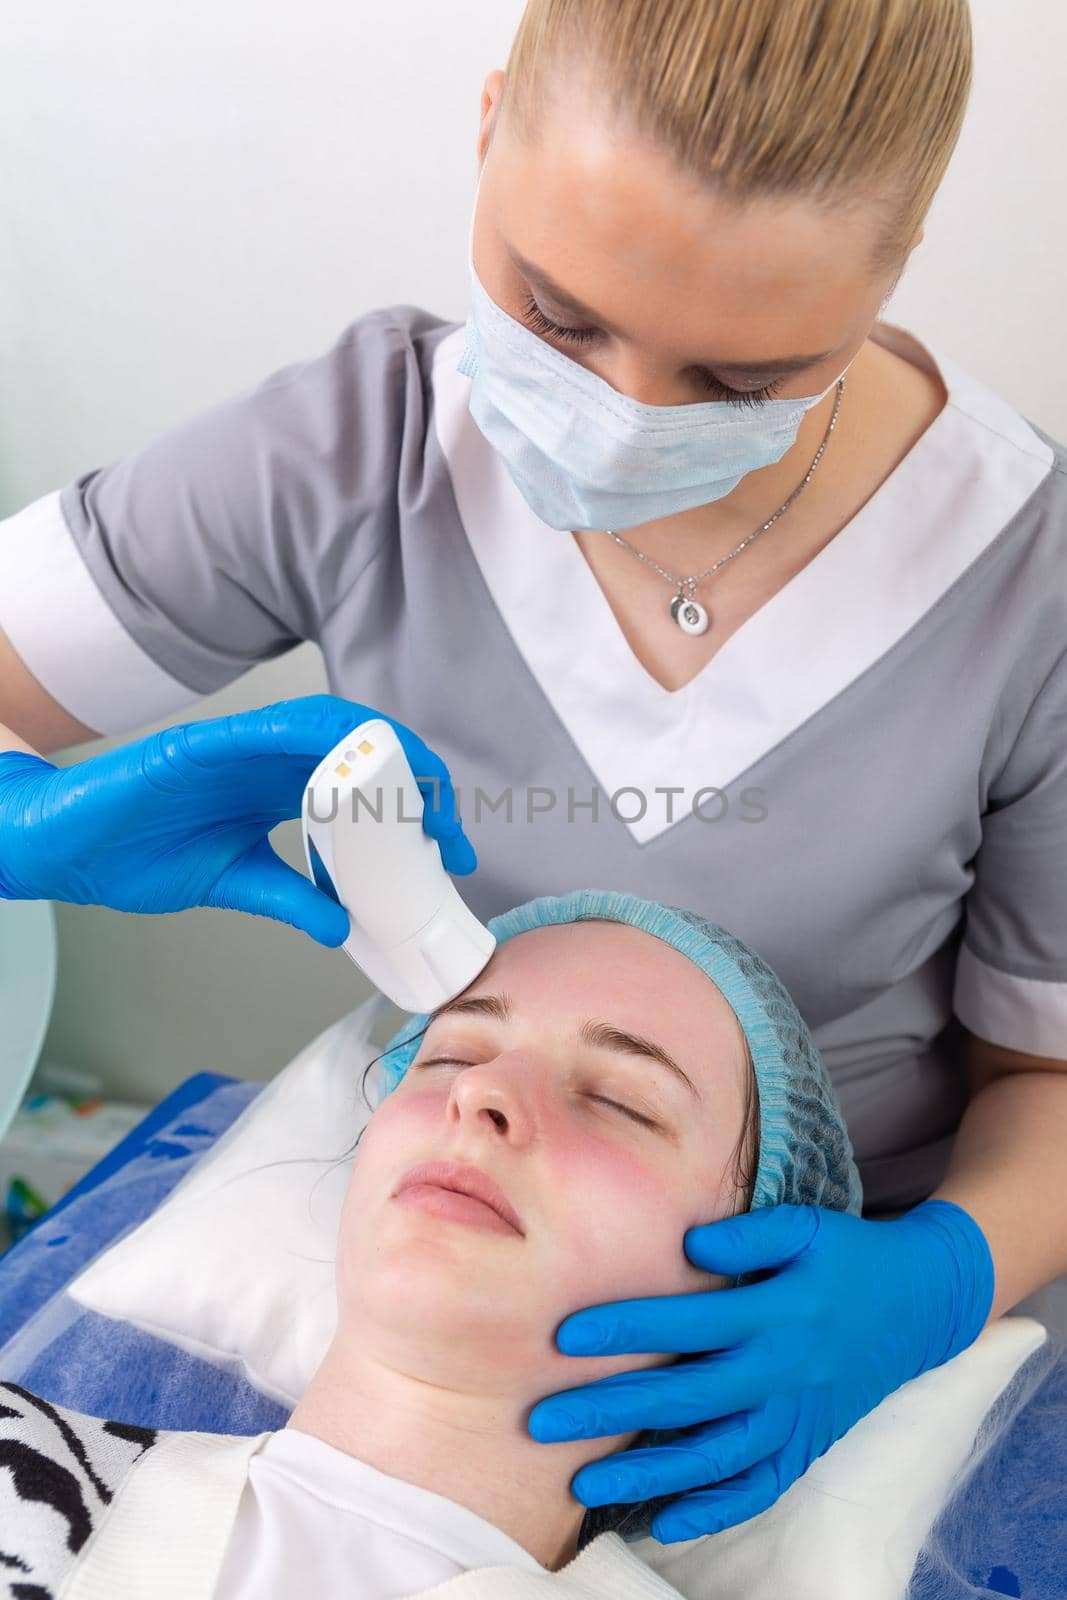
[[586, 457]]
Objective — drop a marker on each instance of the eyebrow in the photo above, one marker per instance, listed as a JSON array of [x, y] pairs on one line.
[[601, 1035], [542, 281]]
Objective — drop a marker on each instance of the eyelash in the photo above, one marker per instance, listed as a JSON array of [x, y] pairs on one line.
[[627, 1111], [536, 320]]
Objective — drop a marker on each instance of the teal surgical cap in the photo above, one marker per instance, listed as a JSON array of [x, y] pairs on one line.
[[805, 1154]]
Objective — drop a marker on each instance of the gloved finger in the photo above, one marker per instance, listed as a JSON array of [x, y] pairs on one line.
[[307, 727], [433, 779], [440, 818], [439, 799], [726, 1506], [701, 1457], [457, 854], [15, 762], [659, 1397], [753, 1240], [263, 885], [679, 1323]]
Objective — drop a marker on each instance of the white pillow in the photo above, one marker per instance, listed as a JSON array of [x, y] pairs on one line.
[[237, 1264]]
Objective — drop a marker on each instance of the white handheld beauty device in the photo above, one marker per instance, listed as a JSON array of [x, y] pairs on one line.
[[411, 933]]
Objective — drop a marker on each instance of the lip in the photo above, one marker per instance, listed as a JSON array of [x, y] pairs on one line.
[[462, 1178]]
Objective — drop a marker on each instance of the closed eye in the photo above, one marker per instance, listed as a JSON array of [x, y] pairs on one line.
[[600, 1099], [537, 322], [627, 1111]]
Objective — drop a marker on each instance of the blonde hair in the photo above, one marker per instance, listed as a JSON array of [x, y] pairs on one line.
[[837, 101]]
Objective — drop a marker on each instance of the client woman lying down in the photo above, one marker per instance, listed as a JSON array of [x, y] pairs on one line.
[[619, 1073]]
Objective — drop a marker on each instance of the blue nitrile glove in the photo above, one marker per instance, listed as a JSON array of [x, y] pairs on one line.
[[181, 818], [854, 1309]]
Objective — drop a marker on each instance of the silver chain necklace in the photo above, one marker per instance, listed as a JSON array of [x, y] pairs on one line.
[[686, 610]]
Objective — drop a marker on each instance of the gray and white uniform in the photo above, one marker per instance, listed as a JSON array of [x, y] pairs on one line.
[[887, 735]]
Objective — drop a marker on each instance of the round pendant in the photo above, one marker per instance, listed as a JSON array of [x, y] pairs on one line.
[[689, 614]]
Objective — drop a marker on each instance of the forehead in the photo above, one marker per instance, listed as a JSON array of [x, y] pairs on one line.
[[617, 224], [564, 974]]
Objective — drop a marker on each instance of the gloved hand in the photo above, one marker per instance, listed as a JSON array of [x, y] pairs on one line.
[[854, 1309], [181, 817]]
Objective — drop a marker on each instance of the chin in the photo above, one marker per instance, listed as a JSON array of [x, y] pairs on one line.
[[422, 1286]]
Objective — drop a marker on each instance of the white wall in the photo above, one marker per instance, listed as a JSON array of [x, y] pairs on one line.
[[192, 195]]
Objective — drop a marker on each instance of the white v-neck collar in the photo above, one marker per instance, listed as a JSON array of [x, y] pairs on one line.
[[944, 503]]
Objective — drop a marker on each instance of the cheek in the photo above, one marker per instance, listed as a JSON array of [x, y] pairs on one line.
[[403, 1115], [621, 1215], [394, 1139], [391, 1134]]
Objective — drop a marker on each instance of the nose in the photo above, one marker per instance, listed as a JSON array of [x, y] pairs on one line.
[[496, 1097], [639, 381], [637, 378]]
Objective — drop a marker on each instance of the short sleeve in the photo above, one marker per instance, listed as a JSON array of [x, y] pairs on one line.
[[223, 542], [1011, 974]]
